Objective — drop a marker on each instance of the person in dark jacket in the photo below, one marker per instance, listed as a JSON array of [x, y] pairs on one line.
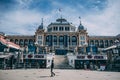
[[52, 66]]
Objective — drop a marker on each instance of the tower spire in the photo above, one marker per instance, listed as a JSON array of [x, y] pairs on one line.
[[42, 21], [80, 19], [41, 25], [80, 27]]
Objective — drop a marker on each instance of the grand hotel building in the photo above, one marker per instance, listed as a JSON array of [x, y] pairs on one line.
[[62, 36]]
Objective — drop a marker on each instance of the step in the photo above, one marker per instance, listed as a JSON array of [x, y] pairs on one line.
[[61, 62]]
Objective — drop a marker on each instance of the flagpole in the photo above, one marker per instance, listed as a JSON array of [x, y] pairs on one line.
[[60, 11]]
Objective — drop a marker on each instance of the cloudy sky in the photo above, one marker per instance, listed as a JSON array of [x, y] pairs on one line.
[[22, 17]]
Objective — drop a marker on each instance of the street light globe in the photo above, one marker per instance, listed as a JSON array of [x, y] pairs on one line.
[[85, 44], [36, 43]]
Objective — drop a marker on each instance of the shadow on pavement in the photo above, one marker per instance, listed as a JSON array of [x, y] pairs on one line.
[[47, 76], [44, 76]]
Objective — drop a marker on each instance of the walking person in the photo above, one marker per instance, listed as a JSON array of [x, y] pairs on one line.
[[52, 66]]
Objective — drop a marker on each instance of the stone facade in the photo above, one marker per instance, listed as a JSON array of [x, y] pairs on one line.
[[62, 35]]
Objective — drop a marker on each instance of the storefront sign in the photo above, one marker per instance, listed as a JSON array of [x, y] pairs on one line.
[[91, 57], [81, 57], [98, 57], [33, 56], [39, 56]]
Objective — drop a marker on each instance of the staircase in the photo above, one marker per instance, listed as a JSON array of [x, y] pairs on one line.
[[61, 62]]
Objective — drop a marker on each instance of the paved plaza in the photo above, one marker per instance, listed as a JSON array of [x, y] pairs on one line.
[[61, 74]]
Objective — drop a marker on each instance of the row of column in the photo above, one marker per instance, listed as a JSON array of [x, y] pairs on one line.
[[65, 40], [23, 42], [101, 43]]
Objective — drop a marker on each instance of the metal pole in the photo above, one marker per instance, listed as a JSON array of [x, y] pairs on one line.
[[53, 42], [4, 64], [68, 42]]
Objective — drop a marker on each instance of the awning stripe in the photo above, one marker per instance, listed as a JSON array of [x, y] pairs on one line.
[[9, 44]]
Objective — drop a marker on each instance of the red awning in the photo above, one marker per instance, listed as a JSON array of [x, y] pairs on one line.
[[13, 45], [9, 44]]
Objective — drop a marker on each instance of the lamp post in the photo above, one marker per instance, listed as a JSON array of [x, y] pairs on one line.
[[114, 57], [118, 47], [116, 50], [91, 51], [53, 49], [36, 44], [115, 53], [18, 58], [22, 50], [85, 45]]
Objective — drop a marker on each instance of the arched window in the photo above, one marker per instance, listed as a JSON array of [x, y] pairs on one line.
[[21, 42], [61, 40], [54, 40], [96, 43], [106, 43], [16, 41], [31, 41], [91, 42], [74, 40], [101, 44], [26, 42], [111, 42], [47, 40]]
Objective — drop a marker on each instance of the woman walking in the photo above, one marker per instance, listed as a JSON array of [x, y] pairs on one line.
[[52, 66]]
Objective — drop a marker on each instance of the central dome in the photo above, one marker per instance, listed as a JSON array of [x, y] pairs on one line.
[[61, 25], [61, 20]]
